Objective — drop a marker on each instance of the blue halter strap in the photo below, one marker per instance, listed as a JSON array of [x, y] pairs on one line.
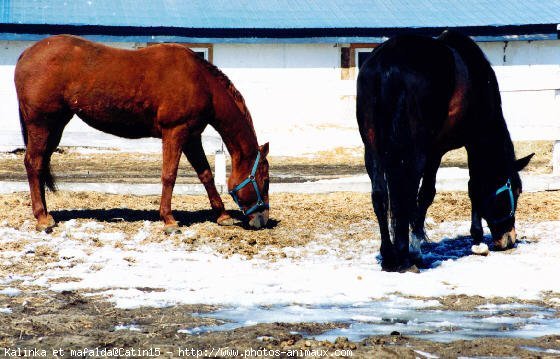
[[260, 205], [506, 188]]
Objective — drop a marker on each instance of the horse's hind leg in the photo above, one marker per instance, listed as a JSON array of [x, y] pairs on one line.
[[195, 154], [42, 140], [380, 201]]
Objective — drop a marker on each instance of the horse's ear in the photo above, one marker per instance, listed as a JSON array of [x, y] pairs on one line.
[[264, 149], [522, 162]]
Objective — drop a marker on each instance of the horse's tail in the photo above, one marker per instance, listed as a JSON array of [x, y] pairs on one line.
[[403, 160], [46, 175], [23, 127]]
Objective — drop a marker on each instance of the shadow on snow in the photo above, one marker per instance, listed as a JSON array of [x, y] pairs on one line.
[[435, 253], [185, 218]]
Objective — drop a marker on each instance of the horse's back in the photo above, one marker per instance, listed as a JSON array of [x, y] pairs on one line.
[[408, 63], [74, 59], [129, 93], [404, 89]]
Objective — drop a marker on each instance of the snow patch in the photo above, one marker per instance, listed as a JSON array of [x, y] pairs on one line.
[[323, 282], [317, 277], [131, 327], [426, 355], [10, 292]]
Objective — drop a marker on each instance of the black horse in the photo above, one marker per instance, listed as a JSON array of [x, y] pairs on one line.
[[418, 98]]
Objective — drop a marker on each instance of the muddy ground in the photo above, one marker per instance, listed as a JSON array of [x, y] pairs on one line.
[[68, 320], [42, 319], [70, 165]]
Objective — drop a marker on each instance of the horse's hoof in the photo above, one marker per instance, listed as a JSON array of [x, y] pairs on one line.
[[480, 249], [172, 229], [404, 268], [46, 227], [225, 221], [411, 269]]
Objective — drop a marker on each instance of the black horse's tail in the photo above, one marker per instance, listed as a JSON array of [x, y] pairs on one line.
[[402, 161], [395, 161], [46, 175]]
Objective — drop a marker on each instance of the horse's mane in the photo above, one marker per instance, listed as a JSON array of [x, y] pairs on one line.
[[486, 100], [480, 71], [231, 89]]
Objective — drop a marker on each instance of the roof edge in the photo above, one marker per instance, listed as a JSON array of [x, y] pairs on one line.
[[512, 32]]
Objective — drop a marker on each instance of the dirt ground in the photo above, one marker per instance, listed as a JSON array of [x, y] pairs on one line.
[[44, 319], [296, 219], [41, 319]]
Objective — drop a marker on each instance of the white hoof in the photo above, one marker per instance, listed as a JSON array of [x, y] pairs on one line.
[[481, 249]]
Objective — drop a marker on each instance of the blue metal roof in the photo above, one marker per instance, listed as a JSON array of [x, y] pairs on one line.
[[281, 14]]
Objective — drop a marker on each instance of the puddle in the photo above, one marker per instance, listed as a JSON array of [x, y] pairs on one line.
[[416, 318]]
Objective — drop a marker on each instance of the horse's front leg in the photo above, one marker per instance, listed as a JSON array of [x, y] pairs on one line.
[[425, 198], [477, 234], [172, 143], [197, 158]]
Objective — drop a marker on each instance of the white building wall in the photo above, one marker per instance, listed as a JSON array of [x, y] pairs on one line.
[[294, 94], [528, 73], [300, 104], [9, 53]]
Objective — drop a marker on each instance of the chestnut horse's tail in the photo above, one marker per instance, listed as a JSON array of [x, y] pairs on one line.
[[46, 175], [23, 127]]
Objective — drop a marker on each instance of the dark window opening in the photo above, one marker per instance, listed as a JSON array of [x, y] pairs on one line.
[[200, 54], [362, 57]]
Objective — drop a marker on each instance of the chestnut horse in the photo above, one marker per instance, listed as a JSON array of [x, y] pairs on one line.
[[163, 91], [417, 99]]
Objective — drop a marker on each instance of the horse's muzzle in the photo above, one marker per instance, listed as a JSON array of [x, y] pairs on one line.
[[507, 240], [258, 219]]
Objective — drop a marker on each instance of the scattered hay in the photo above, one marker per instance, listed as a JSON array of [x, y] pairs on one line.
[[121, 221]]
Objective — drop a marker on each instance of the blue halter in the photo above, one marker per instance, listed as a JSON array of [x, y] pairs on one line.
[[504, 188], [250, 179]]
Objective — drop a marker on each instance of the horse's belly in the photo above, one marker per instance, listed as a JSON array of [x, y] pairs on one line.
[[120, 123]]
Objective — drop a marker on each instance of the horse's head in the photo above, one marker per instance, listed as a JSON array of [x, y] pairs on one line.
[[497, 203], [250, 189]]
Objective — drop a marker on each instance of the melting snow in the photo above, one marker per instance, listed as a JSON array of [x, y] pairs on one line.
[[541, 350], [323, 285], [10, 292], [131, 327], [321, 278], [409, 317]]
